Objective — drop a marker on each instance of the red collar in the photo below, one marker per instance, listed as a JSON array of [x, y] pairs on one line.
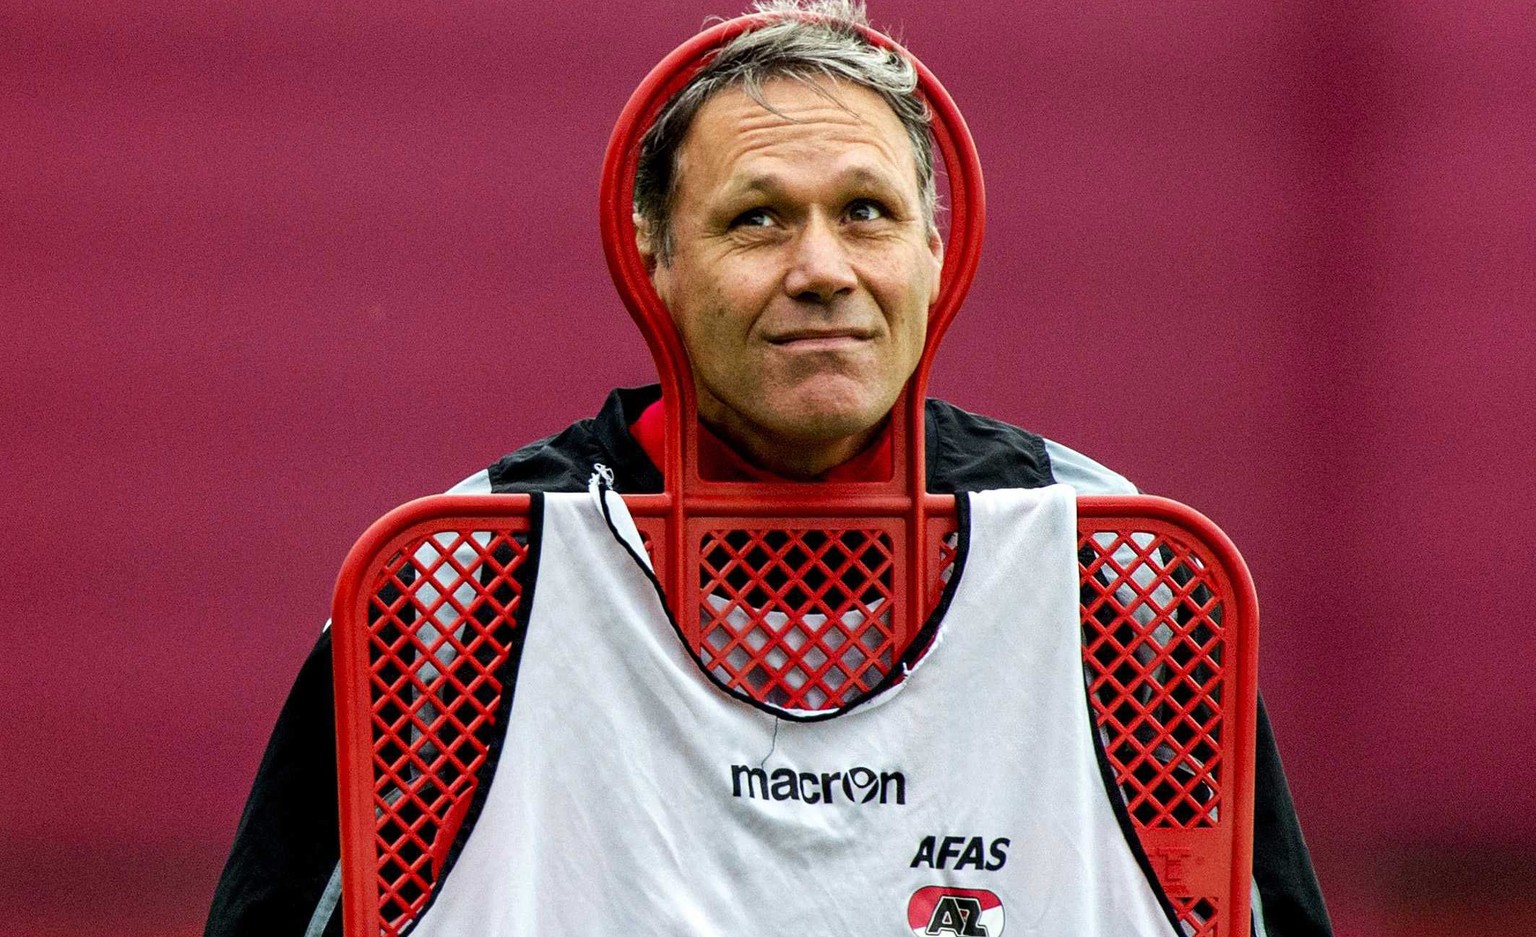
[[719, 462]]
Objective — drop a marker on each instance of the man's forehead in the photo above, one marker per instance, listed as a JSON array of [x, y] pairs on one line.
[[734, 125], [790, 101]]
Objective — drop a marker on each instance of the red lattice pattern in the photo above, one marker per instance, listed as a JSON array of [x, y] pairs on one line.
[[1153, 643], [1198, 915], [1153, 637], [799, 619], [441, 624]]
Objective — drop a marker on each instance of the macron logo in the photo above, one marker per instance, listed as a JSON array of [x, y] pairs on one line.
[[857, 785]]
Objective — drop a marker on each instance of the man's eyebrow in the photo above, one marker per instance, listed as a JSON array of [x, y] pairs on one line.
[[770, 184], [762, 184], [863, 175]]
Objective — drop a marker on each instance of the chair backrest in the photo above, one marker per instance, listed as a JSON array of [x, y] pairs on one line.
[[429, 602]]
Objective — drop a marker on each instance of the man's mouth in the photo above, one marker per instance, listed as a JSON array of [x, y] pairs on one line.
[[820, 339]]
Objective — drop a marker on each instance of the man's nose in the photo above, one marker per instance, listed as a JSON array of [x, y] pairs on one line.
[[819, 266]]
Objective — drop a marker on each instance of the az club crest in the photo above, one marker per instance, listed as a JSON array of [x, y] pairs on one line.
[[956, 912]]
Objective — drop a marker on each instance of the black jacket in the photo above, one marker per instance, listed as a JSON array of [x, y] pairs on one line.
[[286, 848]]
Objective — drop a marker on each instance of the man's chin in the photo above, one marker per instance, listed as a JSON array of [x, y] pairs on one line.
[[810, 414], [828, 407], [821, 425]]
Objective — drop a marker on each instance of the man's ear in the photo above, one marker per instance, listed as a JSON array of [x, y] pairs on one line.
[[645, 243], [936, 248], [648, 242]]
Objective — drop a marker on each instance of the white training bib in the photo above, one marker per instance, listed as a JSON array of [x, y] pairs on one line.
[[632, 796]]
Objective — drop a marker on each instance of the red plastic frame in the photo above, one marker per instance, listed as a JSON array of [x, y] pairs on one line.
[[688, 494], [630, 276], [1212, 860]]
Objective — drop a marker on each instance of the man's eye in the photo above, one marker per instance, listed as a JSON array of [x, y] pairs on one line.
[[753, 218], [866, 210]]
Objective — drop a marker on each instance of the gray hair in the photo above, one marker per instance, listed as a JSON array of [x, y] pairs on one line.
[[829, 45]]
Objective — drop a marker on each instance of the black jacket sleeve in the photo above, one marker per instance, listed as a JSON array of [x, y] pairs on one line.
[[287, 844], [1290, 901]]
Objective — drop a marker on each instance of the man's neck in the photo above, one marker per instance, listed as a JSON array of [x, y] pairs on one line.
[[719, 460], [795, 460]]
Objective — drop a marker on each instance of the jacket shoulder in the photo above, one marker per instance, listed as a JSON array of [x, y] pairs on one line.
[[564, 461], [971, 452], [1070, 467], [561, 462]]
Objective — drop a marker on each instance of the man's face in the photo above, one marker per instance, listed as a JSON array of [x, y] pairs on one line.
[[802, 269]]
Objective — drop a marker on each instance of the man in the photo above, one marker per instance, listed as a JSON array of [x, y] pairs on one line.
[[785, 207], [797, 251]]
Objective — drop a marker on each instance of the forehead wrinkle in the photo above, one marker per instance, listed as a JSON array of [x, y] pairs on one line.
[[818, 135], [829, 110], [842, 141], [734, 128], [770, 183]]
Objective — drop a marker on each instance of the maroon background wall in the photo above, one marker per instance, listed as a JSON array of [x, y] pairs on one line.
[[268, 269]]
